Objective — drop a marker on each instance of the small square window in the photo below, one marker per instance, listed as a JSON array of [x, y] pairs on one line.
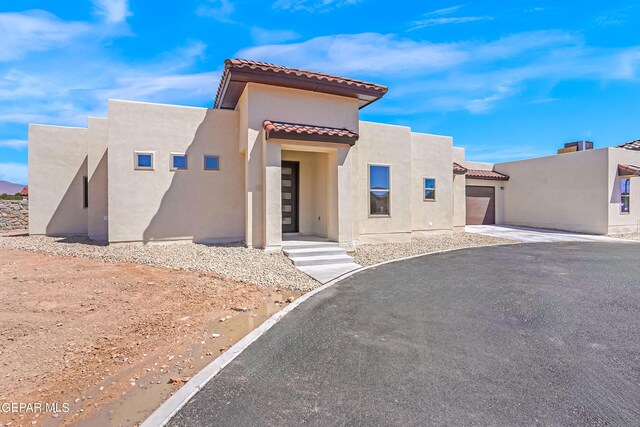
[[429, 189], [211, 163], [178, 162], [143, 161]]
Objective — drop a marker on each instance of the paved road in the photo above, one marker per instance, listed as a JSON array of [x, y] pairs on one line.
[[537, 334], [535, 235]]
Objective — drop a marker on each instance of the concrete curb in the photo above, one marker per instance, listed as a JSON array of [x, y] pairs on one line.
[[161, 416]]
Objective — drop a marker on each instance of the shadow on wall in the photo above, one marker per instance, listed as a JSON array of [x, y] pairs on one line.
[[202, 205], [70, 217], [99, 200]]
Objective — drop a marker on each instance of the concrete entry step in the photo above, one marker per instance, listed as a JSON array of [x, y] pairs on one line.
[[314, 251], [319, 258]]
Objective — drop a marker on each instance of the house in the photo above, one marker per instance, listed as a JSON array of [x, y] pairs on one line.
[[25, 193], [283, 151]]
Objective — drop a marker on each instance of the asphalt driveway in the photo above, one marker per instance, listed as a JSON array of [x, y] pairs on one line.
[[536, 334]]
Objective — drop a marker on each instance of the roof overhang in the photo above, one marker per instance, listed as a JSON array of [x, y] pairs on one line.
[[458, 169], [486, 175], [628, 170], [238, 73], [303, 132]]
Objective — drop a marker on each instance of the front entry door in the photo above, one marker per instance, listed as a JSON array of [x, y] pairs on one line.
[[290, 193]]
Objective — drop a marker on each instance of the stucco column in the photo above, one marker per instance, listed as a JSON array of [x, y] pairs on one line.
[[273, 198], [345, 199], [254, 189]]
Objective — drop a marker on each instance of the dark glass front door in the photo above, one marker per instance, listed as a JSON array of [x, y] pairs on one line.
[[290, 193]]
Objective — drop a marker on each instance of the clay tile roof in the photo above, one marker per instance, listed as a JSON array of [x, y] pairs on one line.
[[25, 192], [628, 170], [489, 175], [633, 145], [459, 169], [285, 130], [238, 72]]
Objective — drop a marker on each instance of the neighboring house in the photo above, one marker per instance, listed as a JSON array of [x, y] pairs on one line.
[[283, 151], [25, 193]]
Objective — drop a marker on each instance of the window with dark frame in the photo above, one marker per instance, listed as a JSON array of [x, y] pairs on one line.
[[625, 195], [379, 190], [85, 192], [429, 189], [211, 163]]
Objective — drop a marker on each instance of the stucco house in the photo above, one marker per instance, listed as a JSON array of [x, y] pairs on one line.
[[283, 151]]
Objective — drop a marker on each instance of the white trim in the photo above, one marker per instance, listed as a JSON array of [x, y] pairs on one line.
[[424, 188], [161, 416], [176, 154], [370, 215], [144, 168]]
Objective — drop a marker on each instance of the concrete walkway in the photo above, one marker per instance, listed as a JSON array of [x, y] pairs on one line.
[[517, 335], [535, 235], [317, 257]]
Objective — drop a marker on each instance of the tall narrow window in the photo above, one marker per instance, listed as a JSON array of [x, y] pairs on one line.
[[85, 192], [379, 190], [429, 189], [625, 195]]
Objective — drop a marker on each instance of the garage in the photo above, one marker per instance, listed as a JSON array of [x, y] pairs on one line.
[[481, 205]]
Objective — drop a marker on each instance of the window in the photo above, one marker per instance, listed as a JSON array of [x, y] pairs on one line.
[[178, 162], [211, 163], [85, 192], [143, 160], [430, 189], [625, 195], [379, 189]]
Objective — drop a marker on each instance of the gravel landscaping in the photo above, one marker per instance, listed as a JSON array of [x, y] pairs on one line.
[[628, 236], [231, 261], [374, 253]]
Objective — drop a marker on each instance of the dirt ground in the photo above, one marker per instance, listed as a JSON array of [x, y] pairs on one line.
[[112, 341]]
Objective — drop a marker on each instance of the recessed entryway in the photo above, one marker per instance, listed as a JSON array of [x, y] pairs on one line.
[[290, 196]]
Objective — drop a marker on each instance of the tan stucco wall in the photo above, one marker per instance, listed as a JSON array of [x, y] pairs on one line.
[[459, 193], [57, 165], [98, 211], [384, 145], [619, 222], [261, 102], [431, 157], [161, 204], [564, 192]]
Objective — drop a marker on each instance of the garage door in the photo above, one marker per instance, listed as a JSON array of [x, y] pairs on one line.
[[481, 205]]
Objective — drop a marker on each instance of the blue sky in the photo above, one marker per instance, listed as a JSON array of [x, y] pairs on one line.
[[507, 80]]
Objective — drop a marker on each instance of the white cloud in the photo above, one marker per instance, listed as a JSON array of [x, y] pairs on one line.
[[17, 144], [220, 10], [112, 11], [312, 5], [13, 172], [370, 53], [432, 22], [34, 31], [267, 36], [474, 76], [445, 11]]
